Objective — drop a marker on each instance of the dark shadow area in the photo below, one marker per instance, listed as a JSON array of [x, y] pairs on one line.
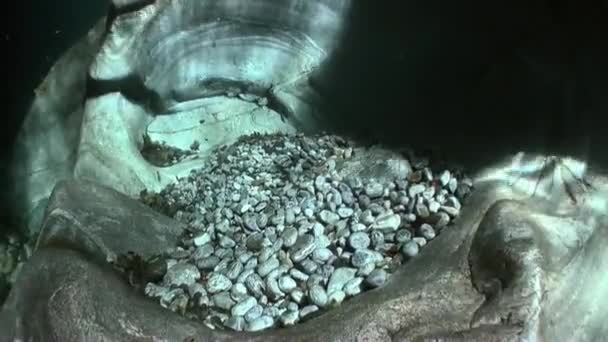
[[34, 35], [474, 79]]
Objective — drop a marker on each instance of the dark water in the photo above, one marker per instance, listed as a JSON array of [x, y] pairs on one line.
[[37, 32], [34, 35]]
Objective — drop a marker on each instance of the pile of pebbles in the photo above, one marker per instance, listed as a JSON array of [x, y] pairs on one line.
[[276, 234]]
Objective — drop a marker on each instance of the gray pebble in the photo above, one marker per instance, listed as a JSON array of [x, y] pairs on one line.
[[326, 271], [244, 257], [364, 201], [241, 308], [321, 184], [292, 306], [409, 217], [303, 247], [182, 274], [441, 220], [362, 257], [403, 235], [234, 270], [387, 248], [254, 313], [309, 213], [272, 289], [236, 323], [318, 229], [377, 209], [287, 284], [453, 212], [268, 266], [261, 206], [290, 216], [308, 266], [376, 278], [255, 241], [222, 266], [428, 193], [290, 317], [168, 296], [367, 217], [317, 295], [410, 249], [196, 288], [345, 256], [297, 296], [387, 222], [426, 231], [271, 234], [238, 291], [453, 185], [373, 189], [307, 310], [422, 210], [290, 236], [201, 239], [416, 189], [342, 224], [335, 197], [353, 286], [273, 311], [388, 237], [315, 279], [224, 253], [401, 184], [251, 264], [329, 217], [246, 273], [153, 290], [299, 275], [420, 241], [284, 259], [377, 238], [223, 300], [322, 241], [354, 182], [203, 251], [226, 242], [321, 255], [336, 297], [282, 269], [265, 254], [279, 217], [218, 282], [358, 240], [255, 285], [260, 323], [304, 227], [339, 278], [444, 177], [358, 227], [345, 212], [208, 263], [250, 222], [434, 206], [366, 269]]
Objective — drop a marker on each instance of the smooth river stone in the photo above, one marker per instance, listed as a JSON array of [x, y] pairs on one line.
[[339, 278], [303, 247]]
